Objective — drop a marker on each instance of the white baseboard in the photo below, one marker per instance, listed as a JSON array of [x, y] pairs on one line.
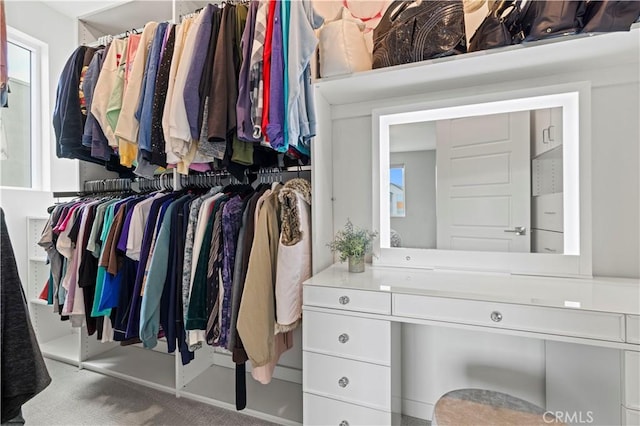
[[418, 409]]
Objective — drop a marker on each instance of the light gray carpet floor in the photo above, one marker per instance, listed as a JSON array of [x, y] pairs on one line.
[[83, 397]]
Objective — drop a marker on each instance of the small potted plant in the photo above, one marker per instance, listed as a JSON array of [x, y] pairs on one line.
[[353, 243]]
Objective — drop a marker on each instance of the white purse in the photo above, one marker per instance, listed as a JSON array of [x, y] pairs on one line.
[[343, 49]]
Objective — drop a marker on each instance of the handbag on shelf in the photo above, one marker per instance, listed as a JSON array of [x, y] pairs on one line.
[[546, 19], [608, 16], [417, 31], [498, 28], [343, 49]]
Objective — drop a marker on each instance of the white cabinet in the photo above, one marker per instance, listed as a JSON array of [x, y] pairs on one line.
[[632, 380], [351, 364], [546, 241], [57, 339], [546, 130], [547, 212], [633, 329], [323, 411]]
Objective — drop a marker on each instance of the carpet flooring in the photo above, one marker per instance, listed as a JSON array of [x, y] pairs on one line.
[[86, 398], [82, 397]]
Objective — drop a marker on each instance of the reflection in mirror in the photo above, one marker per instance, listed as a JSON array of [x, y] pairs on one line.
[[500, 180], [396, 190]]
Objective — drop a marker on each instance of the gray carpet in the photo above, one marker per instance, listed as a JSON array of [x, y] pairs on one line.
[[82, 397]]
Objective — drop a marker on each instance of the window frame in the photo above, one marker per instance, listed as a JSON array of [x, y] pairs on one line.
[[40, 112]]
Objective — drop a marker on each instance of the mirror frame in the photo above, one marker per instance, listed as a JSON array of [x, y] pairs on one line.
[[575, 98]]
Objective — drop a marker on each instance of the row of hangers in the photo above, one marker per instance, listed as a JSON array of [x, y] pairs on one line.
[[164, 182]]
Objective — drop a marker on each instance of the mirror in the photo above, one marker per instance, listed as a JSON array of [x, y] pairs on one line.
[[499, 177]]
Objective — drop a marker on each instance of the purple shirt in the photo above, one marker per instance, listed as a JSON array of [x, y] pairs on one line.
[[275, 128], [231, 223], [243, 106], [191, 92]]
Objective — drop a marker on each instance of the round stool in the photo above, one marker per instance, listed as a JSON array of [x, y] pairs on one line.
[[477, 407]]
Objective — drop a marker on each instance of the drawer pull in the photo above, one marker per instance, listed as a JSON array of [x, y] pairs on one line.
[[496, 316], [549, 212], [343, 338], [343, 300], [344, 423], [343, 382], [550, 250]]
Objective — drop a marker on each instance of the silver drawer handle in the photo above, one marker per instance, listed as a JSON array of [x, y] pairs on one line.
[[343, 338], [343, 382], [496, 316], [344, 423], [549, 212], [343, 300]]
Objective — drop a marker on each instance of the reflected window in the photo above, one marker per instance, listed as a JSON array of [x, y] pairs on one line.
[[397, 191], [15, 120]]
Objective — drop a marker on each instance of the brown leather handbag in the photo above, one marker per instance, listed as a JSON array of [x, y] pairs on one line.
[[417, 31]]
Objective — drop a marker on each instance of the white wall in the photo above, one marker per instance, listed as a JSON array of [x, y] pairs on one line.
[[418, 227], [36, 19]]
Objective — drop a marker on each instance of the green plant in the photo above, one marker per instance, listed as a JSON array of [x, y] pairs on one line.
[[352, 241]]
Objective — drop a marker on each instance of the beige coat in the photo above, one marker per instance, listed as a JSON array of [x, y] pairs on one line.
[[256, 317]]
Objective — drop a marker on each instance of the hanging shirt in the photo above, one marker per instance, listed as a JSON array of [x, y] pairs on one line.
[[256, 76], [127, 128], [243, 105], [182, 30], [266, 68], [301, 120], [105, 86], [145, 102], [275, 129]]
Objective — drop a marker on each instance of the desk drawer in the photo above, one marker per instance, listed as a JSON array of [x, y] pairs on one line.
[[633, 329], [324, 411], [353, 300], [547, 241], [548, 212], [362, 383], [632, 380], [361, 339], [563, 322]]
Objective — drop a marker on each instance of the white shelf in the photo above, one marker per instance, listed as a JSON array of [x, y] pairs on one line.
[[42, 259], [279, 401], [530, 60], [65, 349], [142, 366], [36, 301]]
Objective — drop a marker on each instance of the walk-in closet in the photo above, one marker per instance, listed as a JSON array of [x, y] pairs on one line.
[[321, 212]]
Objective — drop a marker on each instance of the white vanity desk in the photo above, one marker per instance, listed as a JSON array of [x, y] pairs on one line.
[[352, 323]]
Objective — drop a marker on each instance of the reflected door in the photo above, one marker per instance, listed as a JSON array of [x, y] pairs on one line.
[[483, 180]]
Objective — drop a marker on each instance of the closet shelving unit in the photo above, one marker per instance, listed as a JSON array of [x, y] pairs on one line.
[[210, 377], [57, 339]]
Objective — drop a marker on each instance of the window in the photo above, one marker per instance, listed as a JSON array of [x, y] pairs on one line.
[[23, 138], [15, 121], [396, 191]]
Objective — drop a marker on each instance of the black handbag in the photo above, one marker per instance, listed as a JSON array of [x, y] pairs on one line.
[[498, 28], [417, 31], [545, 19], [607, 16]]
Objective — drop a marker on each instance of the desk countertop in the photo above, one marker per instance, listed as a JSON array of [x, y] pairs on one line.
[[604, 294]]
